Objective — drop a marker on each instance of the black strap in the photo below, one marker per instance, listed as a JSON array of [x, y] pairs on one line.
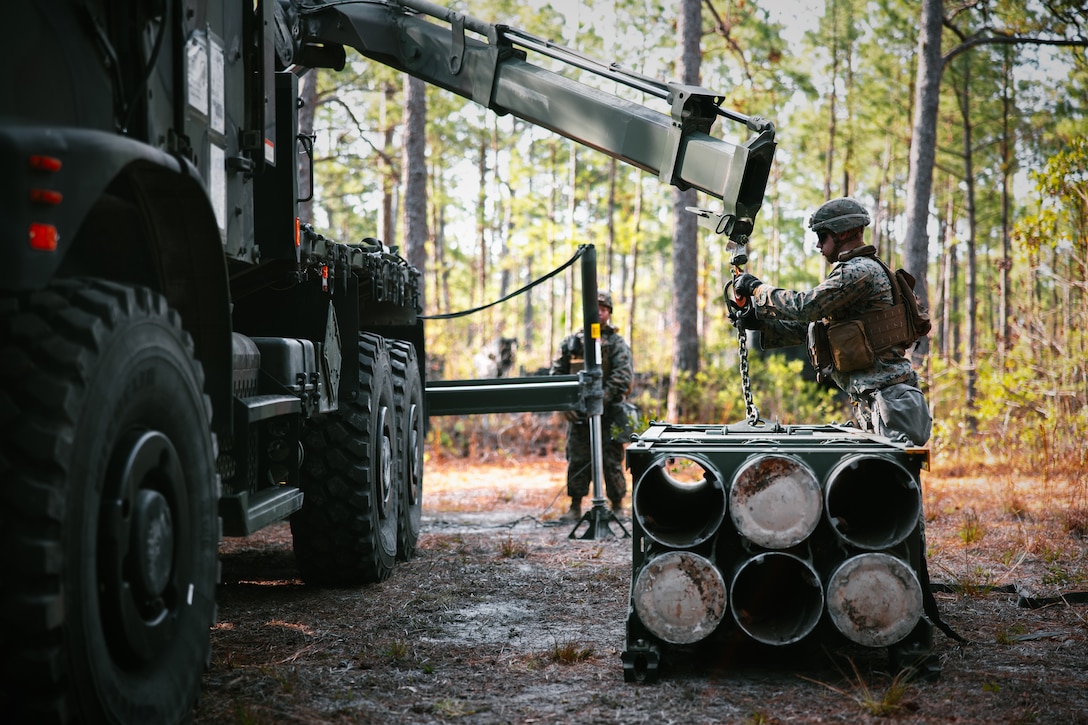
[[929, 605], [451, 315]]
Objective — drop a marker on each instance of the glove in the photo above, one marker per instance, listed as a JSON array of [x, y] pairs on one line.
[[745, 285], [745, 319]]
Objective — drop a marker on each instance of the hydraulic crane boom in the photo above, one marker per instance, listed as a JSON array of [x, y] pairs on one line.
[[494, 72], [187, 358]]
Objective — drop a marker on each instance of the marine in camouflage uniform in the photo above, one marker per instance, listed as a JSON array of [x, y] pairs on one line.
[[885, 396], [617, 374]]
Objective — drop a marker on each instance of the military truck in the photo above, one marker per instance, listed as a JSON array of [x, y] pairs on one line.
[[183, 359]]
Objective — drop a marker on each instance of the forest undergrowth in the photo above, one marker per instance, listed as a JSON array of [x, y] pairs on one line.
[[1020, 434]]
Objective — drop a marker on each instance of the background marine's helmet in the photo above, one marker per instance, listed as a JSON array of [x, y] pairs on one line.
[[838, 216], [604, 299]]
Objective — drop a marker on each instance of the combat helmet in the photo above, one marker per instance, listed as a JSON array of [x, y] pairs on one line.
[[604, 299], [838, 216]]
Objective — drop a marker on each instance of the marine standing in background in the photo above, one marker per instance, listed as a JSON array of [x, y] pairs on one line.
[[617, 375], [851, 331]]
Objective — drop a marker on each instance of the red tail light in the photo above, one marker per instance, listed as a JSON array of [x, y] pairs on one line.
[[44, 163], [43, 237]]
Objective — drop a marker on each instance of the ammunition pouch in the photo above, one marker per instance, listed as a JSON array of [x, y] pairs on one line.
[[850, 346], [819, 350]]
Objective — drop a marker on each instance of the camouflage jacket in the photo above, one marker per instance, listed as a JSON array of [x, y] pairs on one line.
[[617, 363], [856, 284]]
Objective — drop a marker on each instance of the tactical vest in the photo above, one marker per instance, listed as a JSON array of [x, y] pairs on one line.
[[853, 344]]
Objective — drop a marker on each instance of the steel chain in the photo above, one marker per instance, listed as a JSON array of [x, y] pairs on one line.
[[745, 381]]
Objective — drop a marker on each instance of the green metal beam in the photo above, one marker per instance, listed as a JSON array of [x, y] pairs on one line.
[[503, 395]]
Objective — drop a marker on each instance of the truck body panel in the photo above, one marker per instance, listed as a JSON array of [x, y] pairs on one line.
[[185, 359]]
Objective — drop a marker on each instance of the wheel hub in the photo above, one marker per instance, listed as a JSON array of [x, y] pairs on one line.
[[153, 542], [385, 463], [415, 460], [138, 558]]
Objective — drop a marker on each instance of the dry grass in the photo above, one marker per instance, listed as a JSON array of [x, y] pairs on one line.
[[468, 486], [570, 652], [1000, 529], [874, 699], [548, 614], [992, 529]]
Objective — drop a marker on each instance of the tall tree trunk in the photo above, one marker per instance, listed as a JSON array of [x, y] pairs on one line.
[[1006, 175], [848, 83], [923, 149], [442, 284], [307, 108], [951, 284], [553, 206], [502, 216], [636, 235], [389, 186], [940, 305], [574, 302], [971, 333], [415, 177], [832, 101], [611, 217], [685, 248], [528, 319], [480, 285]]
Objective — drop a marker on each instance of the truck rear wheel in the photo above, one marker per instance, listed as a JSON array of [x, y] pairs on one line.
[[346, 530], [110, 507], [408, 394]]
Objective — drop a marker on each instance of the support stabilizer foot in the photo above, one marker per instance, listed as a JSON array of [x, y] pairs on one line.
[[597, 521]]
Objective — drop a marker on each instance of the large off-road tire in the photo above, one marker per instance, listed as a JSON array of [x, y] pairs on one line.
[[346, 531], [408, 394], [109, 514]]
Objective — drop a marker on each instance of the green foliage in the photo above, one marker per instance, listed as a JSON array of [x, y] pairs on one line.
[[780, 392], [1030, 413], [509, 202], [784, 394], [1062, 220]]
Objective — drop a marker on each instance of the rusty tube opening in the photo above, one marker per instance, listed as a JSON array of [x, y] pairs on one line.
[[679, 596], [679, 502], [776, 598], [874, 599], [872, 502], [775, 501]]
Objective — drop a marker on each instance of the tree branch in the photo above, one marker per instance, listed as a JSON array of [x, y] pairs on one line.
[[995, 36], [725, 31], [976, 41]]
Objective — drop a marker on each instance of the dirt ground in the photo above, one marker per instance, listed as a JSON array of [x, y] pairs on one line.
[[502, 617]]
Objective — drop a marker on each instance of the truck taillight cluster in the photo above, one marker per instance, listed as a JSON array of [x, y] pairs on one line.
[[42, 236], [774, 535]]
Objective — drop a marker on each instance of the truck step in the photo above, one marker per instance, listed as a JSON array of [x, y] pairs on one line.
[[262, 407], [245, 512]]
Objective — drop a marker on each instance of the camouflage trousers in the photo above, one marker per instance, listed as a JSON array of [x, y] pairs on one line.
[[579, 470], [897, 412]]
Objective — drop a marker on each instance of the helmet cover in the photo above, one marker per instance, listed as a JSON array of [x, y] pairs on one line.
[[838, 216]]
